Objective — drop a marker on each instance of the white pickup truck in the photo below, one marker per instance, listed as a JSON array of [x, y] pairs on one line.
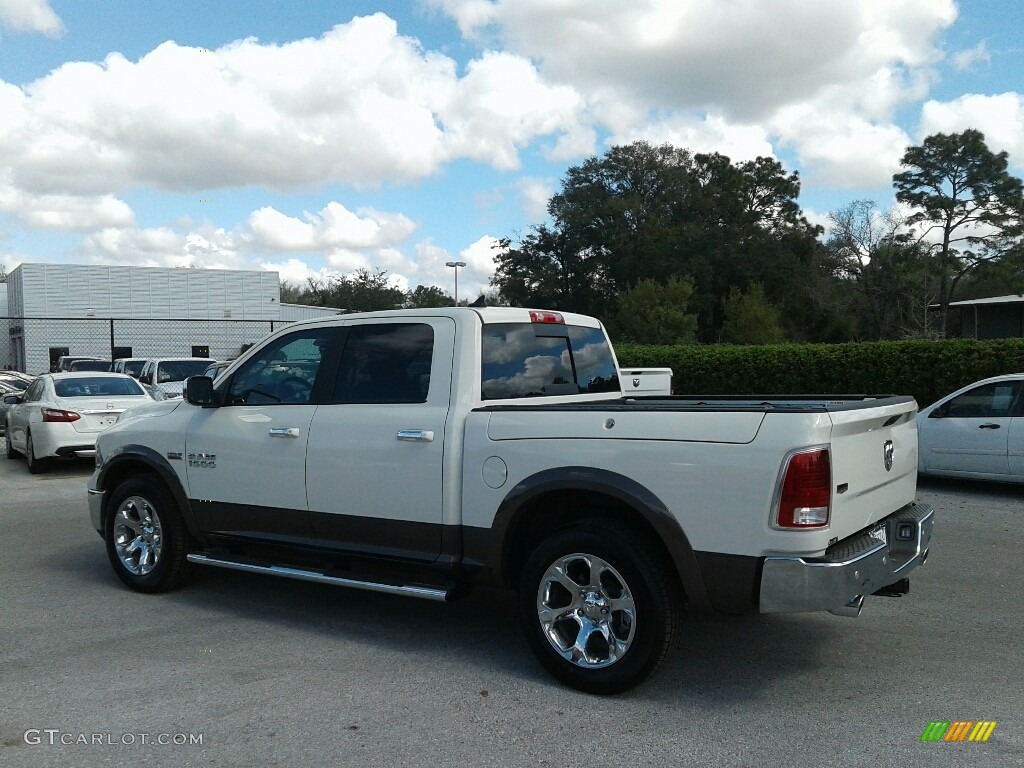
[[420, 452]]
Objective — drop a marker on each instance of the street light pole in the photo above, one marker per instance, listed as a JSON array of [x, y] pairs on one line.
[[455, 265]]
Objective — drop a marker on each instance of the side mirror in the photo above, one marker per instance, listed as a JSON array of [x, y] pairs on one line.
[[199, 390], [13, 399]]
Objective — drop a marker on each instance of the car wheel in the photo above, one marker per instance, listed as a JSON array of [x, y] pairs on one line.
[[11, 453], [35, 466], [145, 535], [600, 605]]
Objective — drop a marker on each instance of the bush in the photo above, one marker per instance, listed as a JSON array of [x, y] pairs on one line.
[[927, 370]]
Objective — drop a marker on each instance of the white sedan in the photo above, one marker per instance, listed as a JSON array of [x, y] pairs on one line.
[[60, 414], [976, 432]]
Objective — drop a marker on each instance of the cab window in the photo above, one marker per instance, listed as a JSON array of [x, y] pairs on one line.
[[537, 360], [989, 401], [283, 372], [386, 363]]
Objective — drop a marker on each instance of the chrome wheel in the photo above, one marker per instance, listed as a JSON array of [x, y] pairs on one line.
[[138, 536], [586, 610]]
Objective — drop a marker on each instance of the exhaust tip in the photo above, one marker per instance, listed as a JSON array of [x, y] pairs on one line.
[[852, 609]]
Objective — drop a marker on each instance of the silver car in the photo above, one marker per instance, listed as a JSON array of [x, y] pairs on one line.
[[6, 389], [60, 414]]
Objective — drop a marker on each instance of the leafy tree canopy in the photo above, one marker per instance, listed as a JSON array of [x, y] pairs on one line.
[[750, 318], [655, 313], [644, 212], [967, 206]]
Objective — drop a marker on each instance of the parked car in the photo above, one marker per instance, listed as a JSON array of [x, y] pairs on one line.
[[60, 414], [165, 378], [976, 432], [131, 365], [64, 362], [215, 369], [6, 389], [101, 366], [18, 382]]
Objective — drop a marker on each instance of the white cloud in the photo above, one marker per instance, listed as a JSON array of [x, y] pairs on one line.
[[334, 227], [710, 134], [734, 76], [967, 59], [30, 16], [295, 271], [207, 246], [1000, 117], [732, 57], [841, 149], [83, 213], [501, 105], [361, 105], [534, 195]]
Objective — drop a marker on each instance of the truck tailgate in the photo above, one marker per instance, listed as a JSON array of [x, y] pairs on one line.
[[874, 464]]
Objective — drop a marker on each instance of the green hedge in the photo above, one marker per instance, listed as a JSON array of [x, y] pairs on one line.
[[927, 370]]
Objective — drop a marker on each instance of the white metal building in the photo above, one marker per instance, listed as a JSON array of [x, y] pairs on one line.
[[137, 312]]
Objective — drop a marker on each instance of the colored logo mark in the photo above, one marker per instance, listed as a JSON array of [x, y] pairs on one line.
[[958, 730]]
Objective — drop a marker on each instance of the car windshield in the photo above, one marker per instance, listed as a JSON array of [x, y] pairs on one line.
[[179, 370], [97, 386]]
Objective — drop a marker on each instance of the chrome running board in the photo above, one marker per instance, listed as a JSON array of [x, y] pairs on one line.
[[426, 593]]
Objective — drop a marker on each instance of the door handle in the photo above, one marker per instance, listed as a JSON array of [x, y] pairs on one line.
[[284, 431], [416, 435], [989, 426]]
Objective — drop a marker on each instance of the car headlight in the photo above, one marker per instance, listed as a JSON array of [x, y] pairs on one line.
[[99, 456]]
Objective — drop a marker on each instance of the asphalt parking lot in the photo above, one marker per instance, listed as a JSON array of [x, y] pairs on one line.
[[267, 672]]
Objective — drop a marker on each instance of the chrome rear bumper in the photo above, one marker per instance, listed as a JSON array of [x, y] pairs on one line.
[[849, 569]]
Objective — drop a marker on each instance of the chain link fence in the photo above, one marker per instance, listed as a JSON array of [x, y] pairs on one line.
[[33, 344]]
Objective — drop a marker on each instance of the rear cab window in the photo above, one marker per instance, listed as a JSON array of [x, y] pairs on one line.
[[539, 359]]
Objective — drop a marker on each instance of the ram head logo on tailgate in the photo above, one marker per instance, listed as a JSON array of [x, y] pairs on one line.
[[888, 453], [636, 382]]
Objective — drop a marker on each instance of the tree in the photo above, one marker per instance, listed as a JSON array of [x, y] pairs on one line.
[[652, 313], [296, 294], [426, 297], [890, 277], [643, 212], [361, 292], [750, 318], [969, 206]]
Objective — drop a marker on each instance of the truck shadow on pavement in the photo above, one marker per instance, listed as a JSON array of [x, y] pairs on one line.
[[718, 660]]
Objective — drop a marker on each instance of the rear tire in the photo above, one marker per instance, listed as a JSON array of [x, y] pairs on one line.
[[146, 539], [35, 466], [600, 605]]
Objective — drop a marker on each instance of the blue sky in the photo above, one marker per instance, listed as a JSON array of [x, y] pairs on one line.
[[318, 137]]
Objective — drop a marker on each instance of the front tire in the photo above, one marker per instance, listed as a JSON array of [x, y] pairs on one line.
[[600, 605], [145, 536], [35, 466]]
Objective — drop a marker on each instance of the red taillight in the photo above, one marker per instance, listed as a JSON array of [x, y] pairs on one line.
[[56, 414], [546, 317], [806, 491]]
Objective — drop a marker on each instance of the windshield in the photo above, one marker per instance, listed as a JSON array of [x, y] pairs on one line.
[[97, 386], [179, 370]]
